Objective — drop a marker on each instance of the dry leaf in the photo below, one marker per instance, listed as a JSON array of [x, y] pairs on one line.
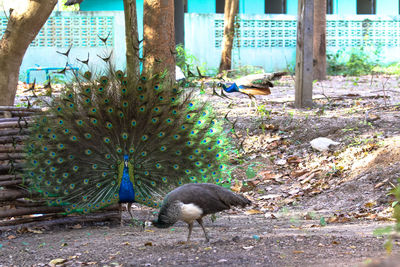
[[11, 237], [298, 251], [253, 211], [148, 244], [294, 159], [56, 262]]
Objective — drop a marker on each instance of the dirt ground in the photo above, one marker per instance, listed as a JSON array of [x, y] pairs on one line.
[[309, 208]]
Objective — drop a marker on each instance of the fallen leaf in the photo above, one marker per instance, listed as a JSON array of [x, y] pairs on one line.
[[294, 159], [56, 262], [253, 211], [298, 251], [11, 237], [149, 231], [148, 244], [35, 231], [77, 226]]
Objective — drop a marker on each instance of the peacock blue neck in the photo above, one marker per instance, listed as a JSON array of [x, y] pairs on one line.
[[126, 190], [232, 88]]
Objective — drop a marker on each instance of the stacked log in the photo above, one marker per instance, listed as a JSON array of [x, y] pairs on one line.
[[18, 206]]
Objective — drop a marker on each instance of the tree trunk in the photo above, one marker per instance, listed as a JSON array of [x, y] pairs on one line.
[[23, 26], [319, 47], [132, 39], [230, 11], [159, 37]]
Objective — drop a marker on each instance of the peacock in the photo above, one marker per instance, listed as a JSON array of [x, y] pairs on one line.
[[191, 202], [251, 85], [111, 139]]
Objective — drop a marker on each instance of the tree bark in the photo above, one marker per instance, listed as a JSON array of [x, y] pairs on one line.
[[230, 11], [159, 37], [132, 39], [23, 26], [319, 46]]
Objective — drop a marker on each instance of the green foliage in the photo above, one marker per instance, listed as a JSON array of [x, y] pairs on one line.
[[188, 62], [357, 61]]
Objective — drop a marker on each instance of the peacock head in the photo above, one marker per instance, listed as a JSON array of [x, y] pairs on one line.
[[126, 159]]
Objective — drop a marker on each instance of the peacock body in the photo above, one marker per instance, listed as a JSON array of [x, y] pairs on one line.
[[111, 139]]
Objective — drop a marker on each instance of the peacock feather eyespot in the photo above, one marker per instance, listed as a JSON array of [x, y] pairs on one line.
[[124, 136], [87, 100], [88, 152], [176, 166], [193, 178], [48, 162], [65, 175], [173, 99], [48, 183], [119, 150], [177, 136], [87, 75], [147, 173], [156, 109], [121, 114], [94, 166], [71, 157], [169, 121], [131, 150], [218, 156], [174, 112], [161, 134], [124, 81], [156, 87], [79, 122], [178, 152], [110, 110], [198, 163], [75, 168], [123, 90], [66, 131], [94, 121], [189, 143], [72, 186], [39, 136], [163, 148], [73, 138], [59, 180], [98, 185], [86, 181], [100, 89], [143, 78], [143, 154], [140, 88], [70, 96], [133, 123], [88, 90], [106, 101], [154, 120], [125, 104], [44, 148], [191, 157], [109, 125], [164, 179], [142, 109], [187, 171], [158, 165], [145, 137], [200, 122], [107, 156], [61, 122], [71, 105], [60, 146], [161, 98], [104, 80], [60, 160], [93, 110], [88, 135], [106, 140], [59, 109], [53, 169], [104, 174], [84, 198], [202, 170]]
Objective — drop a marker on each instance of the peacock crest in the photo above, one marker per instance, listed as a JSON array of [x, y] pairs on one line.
[[109, 138]]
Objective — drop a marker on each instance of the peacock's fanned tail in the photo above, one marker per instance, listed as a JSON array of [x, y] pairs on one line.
[[77, 147]]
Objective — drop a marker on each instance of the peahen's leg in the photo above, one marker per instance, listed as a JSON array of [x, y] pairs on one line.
[[200, 221], [190, 231]]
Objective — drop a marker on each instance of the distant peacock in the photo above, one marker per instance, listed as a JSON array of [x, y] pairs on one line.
[[111, 139]]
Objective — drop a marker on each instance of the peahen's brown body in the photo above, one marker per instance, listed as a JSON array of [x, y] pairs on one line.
[[191, 202]]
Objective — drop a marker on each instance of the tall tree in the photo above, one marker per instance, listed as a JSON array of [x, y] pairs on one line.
[[319, 46], [23, 25], [159, 36], [132, 41], [230, 11]]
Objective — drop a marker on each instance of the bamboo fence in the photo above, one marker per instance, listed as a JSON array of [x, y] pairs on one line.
[[19, 207]]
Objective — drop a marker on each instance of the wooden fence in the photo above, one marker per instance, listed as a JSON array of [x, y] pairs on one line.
[[19, 207]]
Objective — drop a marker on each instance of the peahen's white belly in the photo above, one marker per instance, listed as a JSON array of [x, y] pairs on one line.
[[190, 212]]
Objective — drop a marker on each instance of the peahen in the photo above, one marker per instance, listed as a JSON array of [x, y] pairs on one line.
[[191, 202], [108, 139], [255, 84]]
